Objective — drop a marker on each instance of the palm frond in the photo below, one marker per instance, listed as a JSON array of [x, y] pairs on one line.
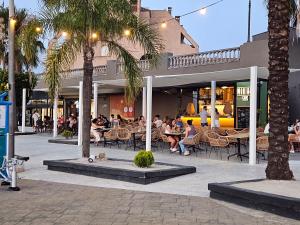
[[60, 57], [132, 72], [148, 38]]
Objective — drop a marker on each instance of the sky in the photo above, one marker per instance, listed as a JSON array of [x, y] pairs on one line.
[[223, 26]]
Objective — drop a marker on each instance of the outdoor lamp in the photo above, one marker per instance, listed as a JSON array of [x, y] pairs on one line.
[[38, 29], [126, 32], [163, 25]]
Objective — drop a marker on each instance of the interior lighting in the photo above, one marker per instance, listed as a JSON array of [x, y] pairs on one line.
[[224, 87]]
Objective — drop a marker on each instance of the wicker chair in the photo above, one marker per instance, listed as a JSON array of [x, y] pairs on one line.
[[262, 146], [193, 142], [219, 131], [217, 142], [232, 141], [111, 137], [123, 135]]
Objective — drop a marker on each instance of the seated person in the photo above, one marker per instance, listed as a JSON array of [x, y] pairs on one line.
[[179, 122], [94, 131], [190, 132], [171, 127], [157, 121], [142, 121]]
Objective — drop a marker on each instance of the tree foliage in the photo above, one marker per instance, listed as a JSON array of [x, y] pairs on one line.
[[108, 19]]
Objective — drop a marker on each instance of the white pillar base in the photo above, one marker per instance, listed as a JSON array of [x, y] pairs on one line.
[[23, 110], [149, 113]]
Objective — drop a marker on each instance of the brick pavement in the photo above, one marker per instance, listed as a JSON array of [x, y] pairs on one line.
[[44, 203]]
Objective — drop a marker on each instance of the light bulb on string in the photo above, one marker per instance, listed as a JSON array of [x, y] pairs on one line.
[[203, 11], [127, 32]]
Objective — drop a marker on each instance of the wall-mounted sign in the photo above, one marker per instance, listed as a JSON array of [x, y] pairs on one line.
[[2, 116]]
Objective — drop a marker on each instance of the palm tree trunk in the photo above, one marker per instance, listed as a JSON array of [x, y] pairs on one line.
[[87, 93], [278, 160]]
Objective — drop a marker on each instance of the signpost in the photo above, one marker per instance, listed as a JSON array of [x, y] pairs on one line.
[[4, 133]]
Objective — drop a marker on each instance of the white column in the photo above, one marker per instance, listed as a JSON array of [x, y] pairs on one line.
[[95, 100], [253, 109], [80, 113], [149, 113], [55, 115], [144, 102], [23, 109], [213, 103]]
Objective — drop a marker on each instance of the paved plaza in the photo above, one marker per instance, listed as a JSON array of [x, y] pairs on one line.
[[43, 203], [50, 197]]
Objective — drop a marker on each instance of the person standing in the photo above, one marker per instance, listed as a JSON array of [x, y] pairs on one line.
[[217, 118], [35, 118], [203, 116]]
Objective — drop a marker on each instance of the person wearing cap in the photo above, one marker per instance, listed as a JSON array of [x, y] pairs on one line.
[[190, 132]]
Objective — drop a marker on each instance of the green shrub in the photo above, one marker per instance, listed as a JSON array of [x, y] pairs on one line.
[[144, 159], [67, 133]]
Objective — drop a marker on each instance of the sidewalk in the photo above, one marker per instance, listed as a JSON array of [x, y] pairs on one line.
[[208, 171]]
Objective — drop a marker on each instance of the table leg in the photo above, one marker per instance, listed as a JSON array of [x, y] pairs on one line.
[[239, 149]]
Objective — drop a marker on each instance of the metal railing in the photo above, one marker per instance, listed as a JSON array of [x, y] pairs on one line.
[[75, 73], [144, 65], [205, 58]]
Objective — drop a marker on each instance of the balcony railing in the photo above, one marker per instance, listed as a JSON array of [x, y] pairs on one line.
[[205, 58], [144, 65], [78, 73]]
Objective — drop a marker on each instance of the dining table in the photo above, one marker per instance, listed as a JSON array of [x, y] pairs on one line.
[[238, 137]]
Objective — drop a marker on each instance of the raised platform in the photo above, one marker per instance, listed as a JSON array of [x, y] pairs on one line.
[[19, 133], [278, 197], [119, 169]]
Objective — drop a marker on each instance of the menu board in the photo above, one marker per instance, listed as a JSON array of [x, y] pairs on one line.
[[243, 117], [2, 116]]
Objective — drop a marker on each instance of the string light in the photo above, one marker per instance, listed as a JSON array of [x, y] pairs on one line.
[[94, 36], [38, 29], [127, 32], [202, 11], [64, 34]]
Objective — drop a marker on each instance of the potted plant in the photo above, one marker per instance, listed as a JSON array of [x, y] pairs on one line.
[[67, 134], [144, 159]]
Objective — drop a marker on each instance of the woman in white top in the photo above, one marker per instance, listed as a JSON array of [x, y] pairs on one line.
[[217, 118], [174, 141], [94, 132]]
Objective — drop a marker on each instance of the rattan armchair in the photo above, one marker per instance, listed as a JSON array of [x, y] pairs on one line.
[[217, 142], [123, 135], [193, 142], [262, 146], [111, 137]]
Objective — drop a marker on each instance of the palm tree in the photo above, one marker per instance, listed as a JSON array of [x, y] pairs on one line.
[[281, 14], [28, 44], [77, 26]]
